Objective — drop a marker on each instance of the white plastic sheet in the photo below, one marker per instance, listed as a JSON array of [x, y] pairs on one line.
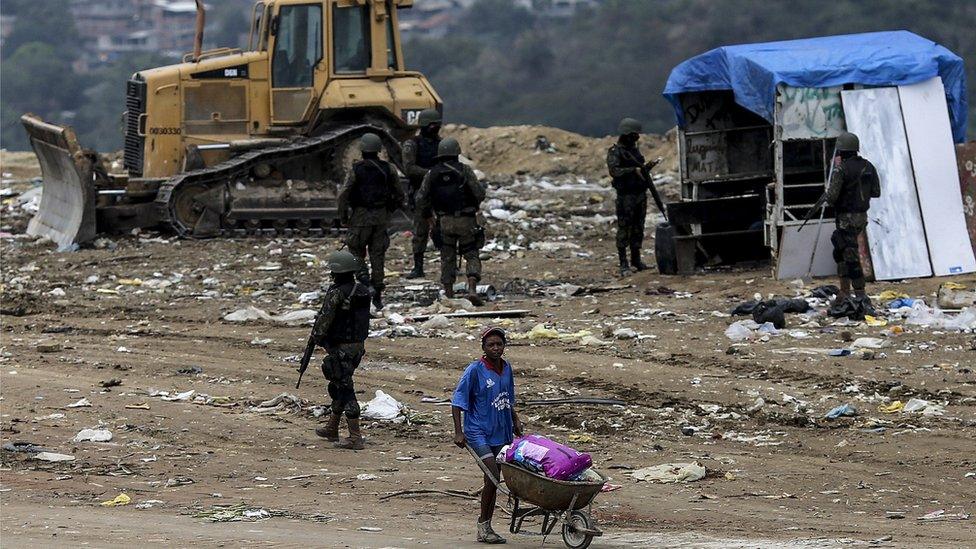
[[929, 135], [896, 235]]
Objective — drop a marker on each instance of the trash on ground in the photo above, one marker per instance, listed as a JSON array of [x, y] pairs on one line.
[[93, 435], [382, 407], [238, 512], [282, 403], [300, 316], [671, 472], [53, 457], [942, 515], [844, 410], [83, 403], [118, 501], [923, 407], [509, 313]]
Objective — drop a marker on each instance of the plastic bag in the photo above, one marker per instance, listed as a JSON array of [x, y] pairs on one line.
[[383, 407]]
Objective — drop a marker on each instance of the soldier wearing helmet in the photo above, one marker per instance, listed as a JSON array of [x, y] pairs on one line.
[[419, 156], [631, 181], [450, 198], [341, 328], [485, 395], [366, 200], [853, 183]]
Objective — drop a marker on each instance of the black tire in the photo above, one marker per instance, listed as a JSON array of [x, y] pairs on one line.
[[572, 537], [664, 249]]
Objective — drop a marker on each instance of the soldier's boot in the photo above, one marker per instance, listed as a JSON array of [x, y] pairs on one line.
[[449, 291], [418, 267], [377, 298], [473, 292], [843, 291], [635, 259], [330, 431], [355, 439], [624, 266]]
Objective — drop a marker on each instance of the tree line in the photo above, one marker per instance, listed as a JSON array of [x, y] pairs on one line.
[[498, 63]]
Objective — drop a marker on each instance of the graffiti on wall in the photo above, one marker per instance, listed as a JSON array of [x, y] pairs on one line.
[[810, 113], [966, 157]]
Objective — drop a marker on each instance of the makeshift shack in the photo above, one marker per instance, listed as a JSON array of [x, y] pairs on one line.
[[756, 131]]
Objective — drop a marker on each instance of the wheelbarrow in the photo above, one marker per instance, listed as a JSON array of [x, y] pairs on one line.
[[556, 501]]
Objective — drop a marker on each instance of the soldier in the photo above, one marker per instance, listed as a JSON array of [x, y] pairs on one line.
[[419, 156], [451, 192], [341, 328], [368, 197], [853, 183], [631, 181]]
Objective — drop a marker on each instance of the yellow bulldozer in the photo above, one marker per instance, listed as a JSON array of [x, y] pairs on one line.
[[242, 142]]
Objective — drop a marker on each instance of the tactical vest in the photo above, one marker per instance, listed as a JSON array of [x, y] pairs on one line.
[[426, 154], [370, 187], [449, 195], [351, 321], [860, 185], [629, 183]]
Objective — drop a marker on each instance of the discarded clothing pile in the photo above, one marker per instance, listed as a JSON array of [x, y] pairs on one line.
[[541, 455], [853, 307], [771, 310]]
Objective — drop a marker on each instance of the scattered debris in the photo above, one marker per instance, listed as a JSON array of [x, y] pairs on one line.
[[671, 472], [53, 457], [118, 501], [93, 435], [382, 407], [300, 316]]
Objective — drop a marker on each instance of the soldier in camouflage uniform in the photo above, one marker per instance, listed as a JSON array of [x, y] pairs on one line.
[[853, 183], [419, 156], [341, 328], [368, 197], [451, 192], [631, 181]]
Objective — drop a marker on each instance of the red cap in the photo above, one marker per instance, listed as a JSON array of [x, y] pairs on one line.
[[493, 330]]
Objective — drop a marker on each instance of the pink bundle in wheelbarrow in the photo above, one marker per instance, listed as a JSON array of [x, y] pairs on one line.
[[554, 460]]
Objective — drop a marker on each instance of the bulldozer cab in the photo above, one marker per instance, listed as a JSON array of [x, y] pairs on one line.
[[313, 42]]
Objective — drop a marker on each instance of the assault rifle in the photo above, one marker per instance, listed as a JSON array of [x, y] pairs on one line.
[[645, 173], [306, 357], [812, 211], [819, 204]]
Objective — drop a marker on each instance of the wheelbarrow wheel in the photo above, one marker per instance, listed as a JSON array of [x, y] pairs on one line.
[[574, 531]]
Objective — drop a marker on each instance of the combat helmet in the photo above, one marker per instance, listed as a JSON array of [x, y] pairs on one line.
[[370, 143], [628, 126], [847, 141], [448, 147], [342, 262], [427, 117]]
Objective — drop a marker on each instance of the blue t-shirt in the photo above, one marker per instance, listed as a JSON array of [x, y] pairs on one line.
[[487, 399]]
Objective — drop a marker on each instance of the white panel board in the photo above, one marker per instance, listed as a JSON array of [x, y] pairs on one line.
[[795, 249], [810, 113], [895, 232], [926, 114]]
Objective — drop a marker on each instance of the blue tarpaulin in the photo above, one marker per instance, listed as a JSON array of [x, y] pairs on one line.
[[753, 71]]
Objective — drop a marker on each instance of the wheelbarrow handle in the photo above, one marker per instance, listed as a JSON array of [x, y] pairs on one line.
[[487, 471]]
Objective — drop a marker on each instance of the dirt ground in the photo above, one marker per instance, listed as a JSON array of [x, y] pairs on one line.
[[147, 311]]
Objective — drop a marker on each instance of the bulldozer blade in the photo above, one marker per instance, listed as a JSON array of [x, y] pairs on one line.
[[67, 210]]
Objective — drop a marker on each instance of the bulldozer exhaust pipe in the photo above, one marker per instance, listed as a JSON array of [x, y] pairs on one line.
[[198, 36]]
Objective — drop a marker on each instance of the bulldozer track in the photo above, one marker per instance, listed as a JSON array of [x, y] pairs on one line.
[[227, 172]]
